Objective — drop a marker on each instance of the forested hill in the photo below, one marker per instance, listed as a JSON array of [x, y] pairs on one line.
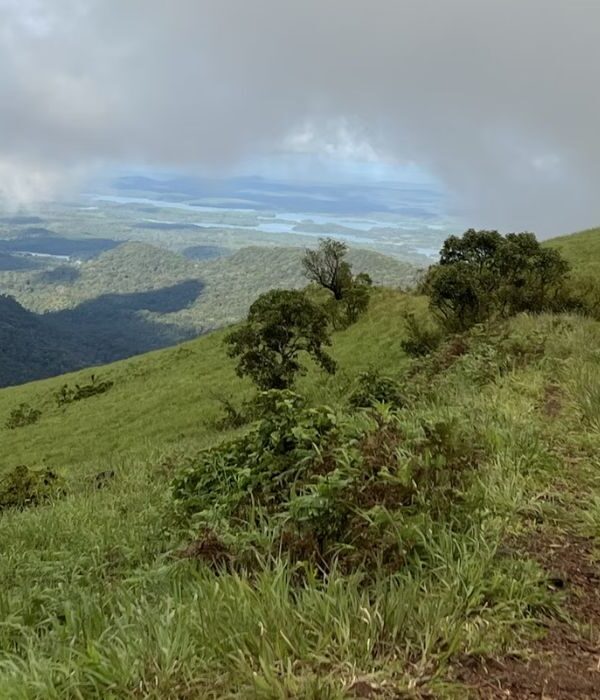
[[136, 297], [32, 346]]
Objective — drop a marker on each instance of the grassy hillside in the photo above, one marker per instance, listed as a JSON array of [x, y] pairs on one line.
[[171, 396], [582, 250], [102, 598]]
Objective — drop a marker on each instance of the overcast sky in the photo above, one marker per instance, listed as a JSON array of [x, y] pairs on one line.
[[497, 99]]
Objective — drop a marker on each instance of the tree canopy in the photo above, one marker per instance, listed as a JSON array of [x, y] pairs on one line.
[[326, 266], [483, 273], [281, 325]]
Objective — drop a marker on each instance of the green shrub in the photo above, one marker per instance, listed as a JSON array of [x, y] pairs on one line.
[[282, 326], [23, 487], [373, 387], [69, 394], [484, 274], [322, 486], [420, 338], [23, 415]]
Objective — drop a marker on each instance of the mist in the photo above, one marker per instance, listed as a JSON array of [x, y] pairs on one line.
[[497, 100]]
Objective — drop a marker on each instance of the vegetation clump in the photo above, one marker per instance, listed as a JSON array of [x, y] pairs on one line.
[[323, 486], [421, 338], [23, 415], [373, 388], [329, 269], [68, 394], [22, 487], [281, 325], [483, 274]]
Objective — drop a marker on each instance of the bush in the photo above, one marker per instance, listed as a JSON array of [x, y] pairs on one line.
[[323, 487], [483, 274], [69, 394], [421, 338], [23, 488], [23, 415], [373, 387]]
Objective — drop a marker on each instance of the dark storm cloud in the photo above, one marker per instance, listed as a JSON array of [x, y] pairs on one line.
[[498, 98]]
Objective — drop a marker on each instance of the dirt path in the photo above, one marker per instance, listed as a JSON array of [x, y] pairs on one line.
[[565, 664]]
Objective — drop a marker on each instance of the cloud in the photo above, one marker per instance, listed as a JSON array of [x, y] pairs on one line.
[[496, 98]]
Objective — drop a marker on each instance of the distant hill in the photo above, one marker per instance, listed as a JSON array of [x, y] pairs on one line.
[[137, 297]]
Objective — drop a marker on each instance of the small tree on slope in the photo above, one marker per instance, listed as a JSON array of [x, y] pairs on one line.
[[281, 325]]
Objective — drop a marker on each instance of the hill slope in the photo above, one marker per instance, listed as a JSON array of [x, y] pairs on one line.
[[103, 597], [582, 250], [106, 594]]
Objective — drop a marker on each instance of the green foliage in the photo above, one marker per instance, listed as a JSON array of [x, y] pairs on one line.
[[23, 415], [68, 394], [328, 268], [373, 388], [280, 326], [23, 487], [482, 274], [328, 486], [102, 598], [421, 338]]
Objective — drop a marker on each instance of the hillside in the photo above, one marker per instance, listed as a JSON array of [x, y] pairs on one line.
[[136, 298], [582, 250], [103, 595], [31, 346]]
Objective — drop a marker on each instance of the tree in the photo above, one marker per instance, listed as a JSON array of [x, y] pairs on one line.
[[327, 267], [356, 297], [281, 325], [484, 273]]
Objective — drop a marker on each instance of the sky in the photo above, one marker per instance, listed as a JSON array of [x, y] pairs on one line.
[[496, 100]]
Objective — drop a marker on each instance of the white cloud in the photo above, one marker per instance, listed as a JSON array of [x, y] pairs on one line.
[[496, 99]]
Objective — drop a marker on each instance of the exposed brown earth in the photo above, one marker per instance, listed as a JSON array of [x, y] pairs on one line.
[[565, 663]]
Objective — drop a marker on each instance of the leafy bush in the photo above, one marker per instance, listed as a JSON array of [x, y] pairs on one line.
[[421, 338], [321, 486], [373, 387], [482, 274], [69, 394], [23, 487], [23, 415]]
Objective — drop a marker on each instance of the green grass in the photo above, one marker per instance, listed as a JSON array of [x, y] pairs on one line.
[[96, 603], [582, 250], [169, 398]]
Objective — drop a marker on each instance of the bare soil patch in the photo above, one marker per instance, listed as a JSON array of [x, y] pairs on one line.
[[565, 663]]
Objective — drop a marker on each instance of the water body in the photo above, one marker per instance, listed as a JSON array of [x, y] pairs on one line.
[[410, 233]]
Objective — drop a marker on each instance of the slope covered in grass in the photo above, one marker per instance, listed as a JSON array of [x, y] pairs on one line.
[[103, 595], [582, 250], [172, 396]]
